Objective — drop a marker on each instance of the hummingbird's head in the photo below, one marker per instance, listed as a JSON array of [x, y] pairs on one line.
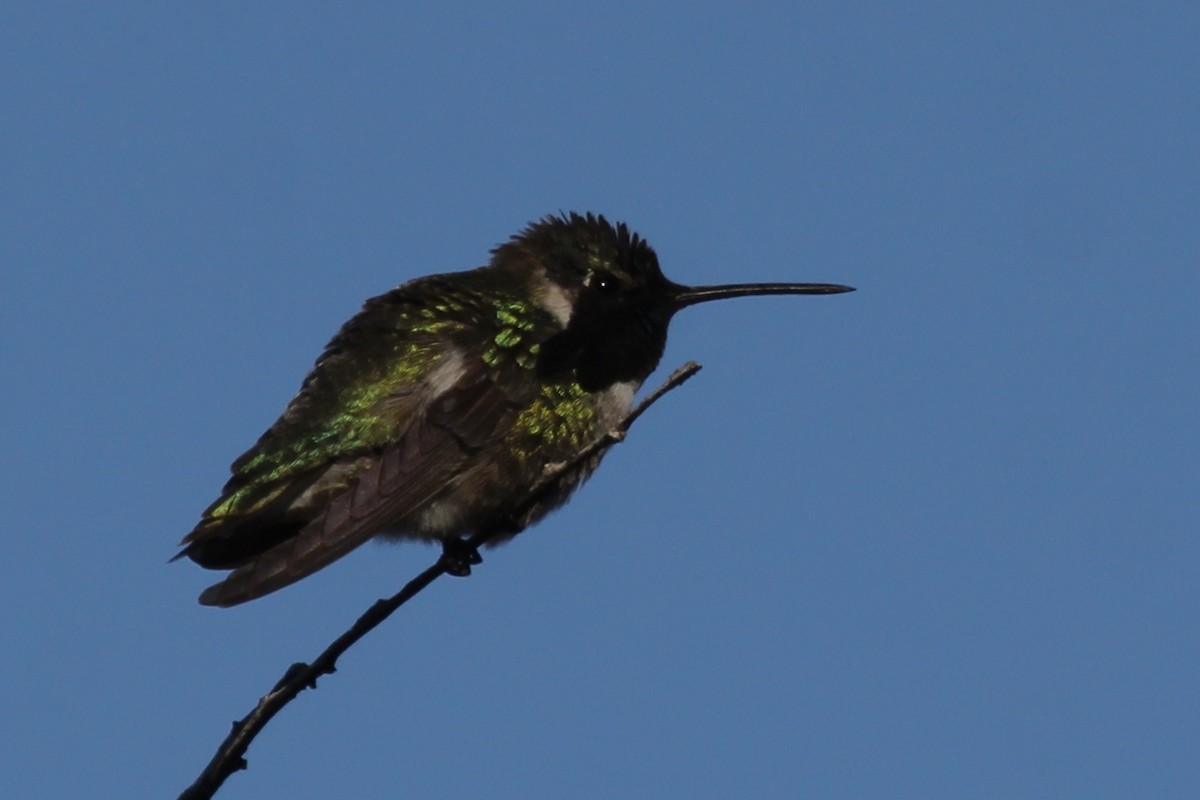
[[582, 264], [603, 284]]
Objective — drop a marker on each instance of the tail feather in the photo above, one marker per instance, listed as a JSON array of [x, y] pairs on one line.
[[379, 495]]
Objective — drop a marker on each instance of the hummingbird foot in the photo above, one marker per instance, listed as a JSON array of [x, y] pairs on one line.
[[292, 672], [458, 557]]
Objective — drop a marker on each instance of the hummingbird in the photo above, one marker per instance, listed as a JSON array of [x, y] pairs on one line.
[[435, 410]]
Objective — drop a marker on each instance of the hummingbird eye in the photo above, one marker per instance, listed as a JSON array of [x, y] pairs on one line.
[[603, 282]]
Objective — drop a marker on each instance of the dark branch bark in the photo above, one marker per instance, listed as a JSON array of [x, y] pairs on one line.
[[230, 756]]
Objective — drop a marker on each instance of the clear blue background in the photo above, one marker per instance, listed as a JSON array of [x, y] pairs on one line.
[[934, 539]]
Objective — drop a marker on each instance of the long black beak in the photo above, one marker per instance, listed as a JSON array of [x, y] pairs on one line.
[[690, 295]]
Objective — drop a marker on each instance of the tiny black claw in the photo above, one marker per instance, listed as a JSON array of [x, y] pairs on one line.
[[458, 557], [292, 672]]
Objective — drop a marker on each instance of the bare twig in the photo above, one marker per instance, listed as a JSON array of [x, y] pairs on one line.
[[230, 756]]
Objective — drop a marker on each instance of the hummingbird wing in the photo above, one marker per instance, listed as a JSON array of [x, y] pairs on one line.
[[403, 478], [396, 407]]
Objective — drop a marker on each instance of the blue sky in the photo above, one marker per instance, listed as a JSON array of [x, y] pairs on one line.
[[937, 538]]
